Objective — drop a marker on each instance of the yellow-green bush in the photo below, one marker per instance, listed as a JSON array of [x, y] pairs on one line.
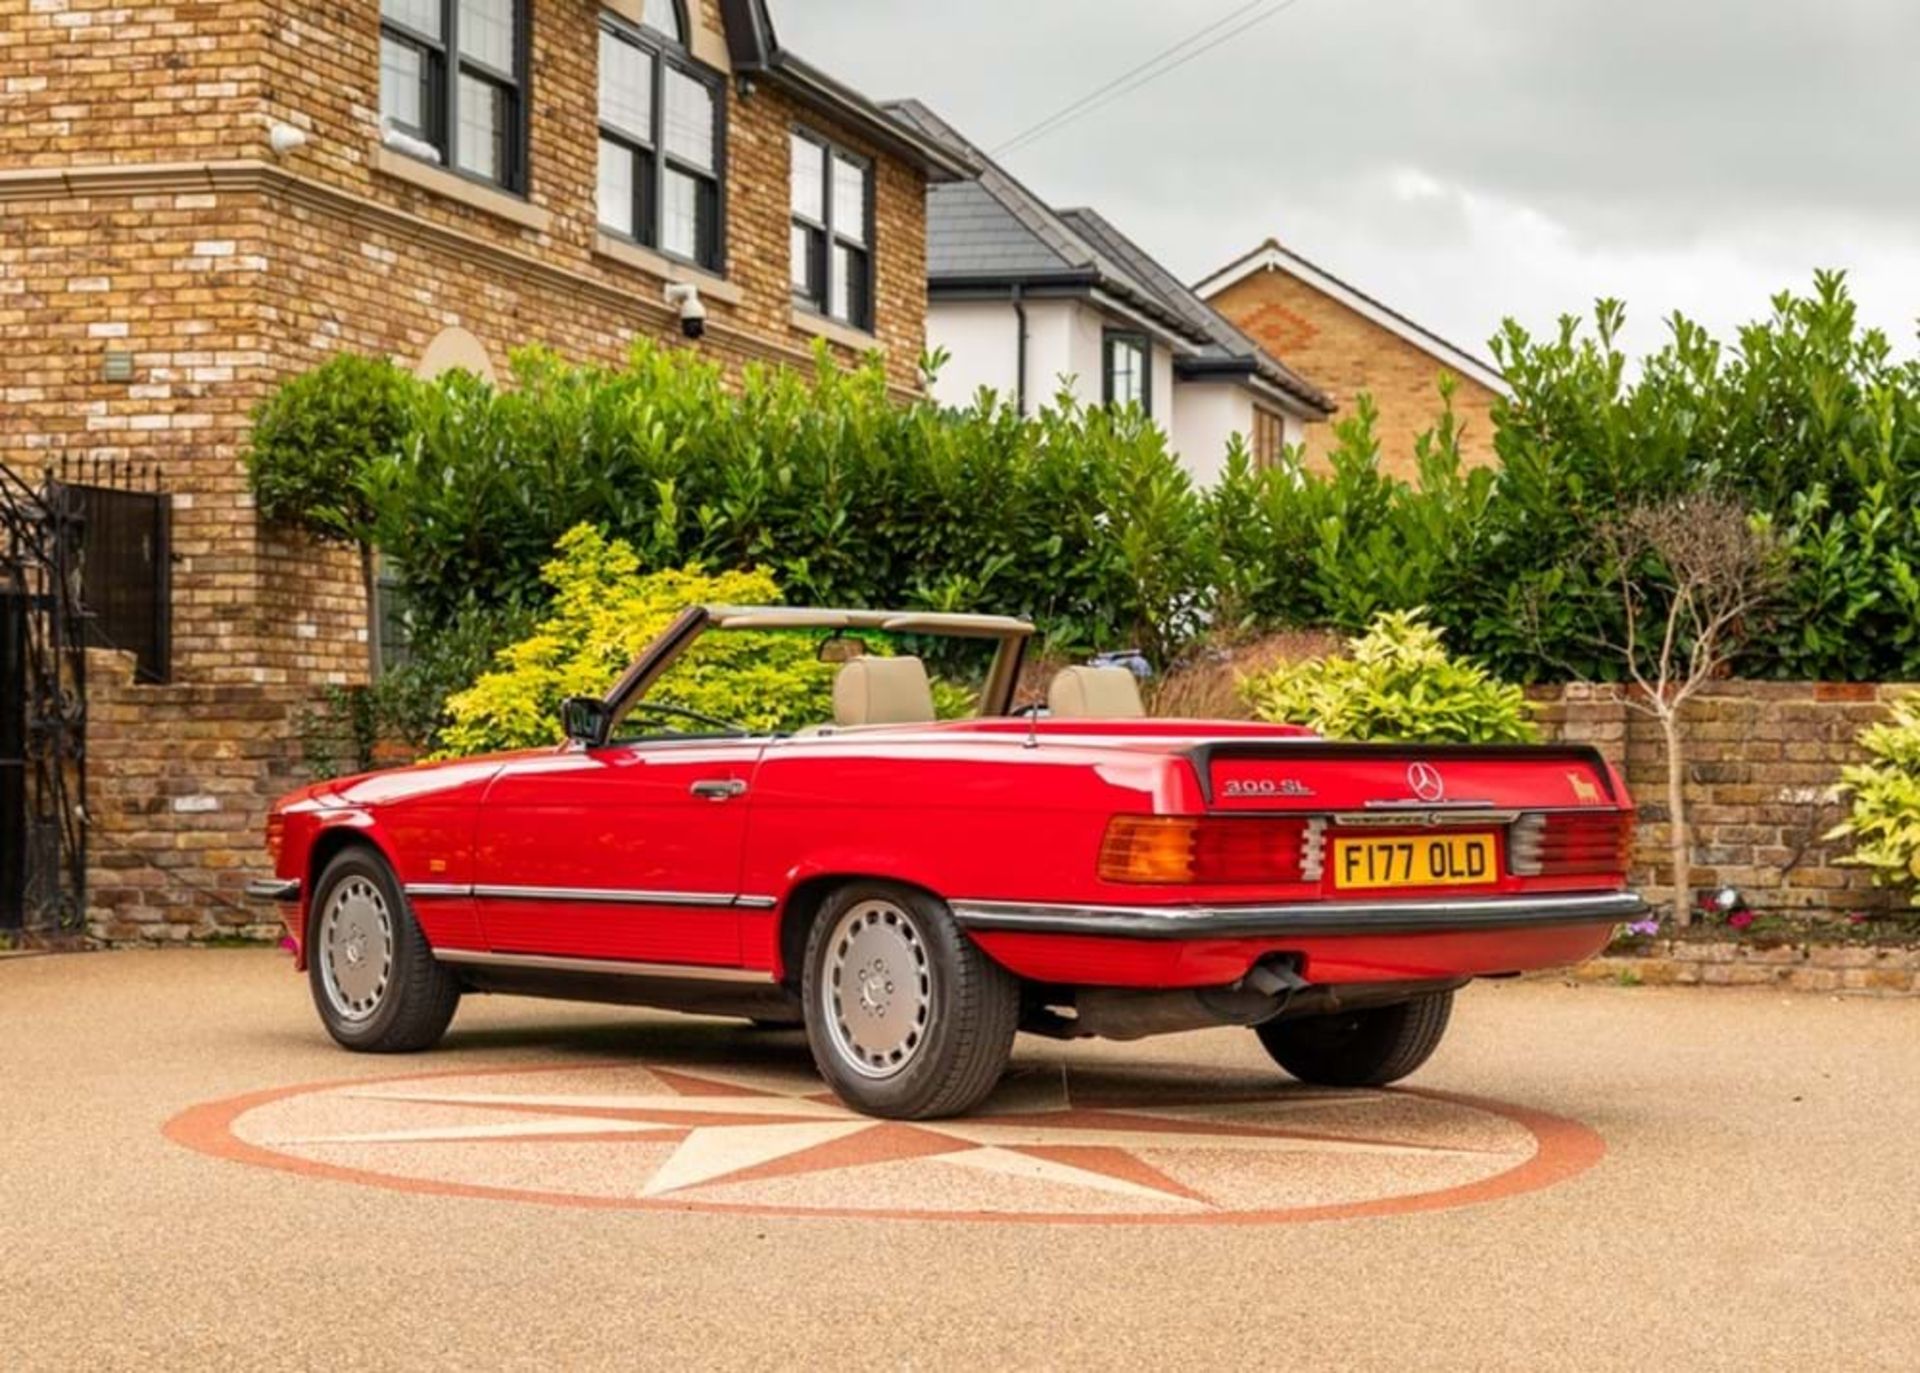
[[1883, 820], [1395, 682], [603, 613]]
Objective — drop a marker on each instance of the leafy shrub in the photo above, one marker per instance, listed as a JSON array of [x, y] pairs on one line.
[[1396, 682], [604, 611], [1883, 820], [317, 437]]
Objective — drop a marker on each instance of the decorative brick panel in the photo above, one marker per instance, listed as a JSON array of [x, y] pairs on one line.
[[1344, 353]]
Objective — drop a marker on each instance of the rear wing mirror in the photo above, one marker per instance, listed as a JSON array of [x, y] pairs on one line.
[[588, 720]]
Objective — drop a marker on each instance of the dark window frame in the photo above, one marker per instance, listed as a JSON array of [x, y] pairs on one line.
[[1110, 339], [442, 66], [824, 235], [653, 159]]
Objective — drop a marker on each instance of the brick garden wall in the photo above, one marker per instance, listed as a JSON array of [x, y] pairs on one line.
[[178, 782], [1762, 761], [1798, 965]]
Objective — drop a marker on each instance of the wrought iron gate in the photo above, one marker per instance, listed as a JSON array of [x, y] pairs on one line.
[[43, 711]]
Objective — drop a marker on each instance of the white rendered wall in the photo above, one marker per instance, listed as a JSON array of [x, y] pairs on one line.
[[1206, 416], [980, 337], [1065, 343]]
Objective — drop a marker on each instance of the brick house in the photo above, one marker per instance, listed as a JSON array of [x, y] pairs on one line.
[[1349, 342], [1028, 300], [197, 200]]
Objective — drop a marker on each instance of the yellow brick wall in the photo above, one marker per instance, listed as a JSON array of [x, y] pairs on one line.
[[142, 210], [222, 283], [1344, 353]]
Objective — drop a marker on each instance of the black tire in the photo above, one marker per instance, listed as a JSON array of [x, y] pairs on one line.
[[408, 1008], [958, 1007], [1364, 1048]]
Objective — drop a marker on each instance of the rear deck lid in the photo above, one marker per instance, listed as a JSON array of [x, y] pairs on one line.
[[1318, 775]]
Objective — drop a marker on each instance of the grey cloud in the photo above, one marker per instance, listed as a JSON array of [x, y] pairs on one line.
[[1755, 136]]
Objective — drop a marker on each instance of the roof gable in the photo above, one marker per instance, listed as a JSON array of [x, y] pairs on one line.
[[1272, 257]]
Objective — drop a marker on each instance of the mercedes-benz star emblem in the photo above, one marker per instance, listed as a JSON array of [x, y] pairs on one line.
[[1426, 781]]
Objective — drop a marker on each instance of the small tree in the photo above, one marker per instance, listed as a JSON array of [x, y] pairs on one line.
[[1690, 572], [315, 442]]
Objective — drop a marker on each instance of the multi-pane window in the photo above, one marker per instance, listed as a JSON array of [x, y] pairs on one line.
[[1126, 376], [453, 84], [1269, 437], [660, 138], [831, 232]]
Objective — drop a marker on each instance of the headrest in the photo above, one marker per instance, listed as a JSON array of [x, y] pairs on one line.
[[882, 691], [1095, 693]]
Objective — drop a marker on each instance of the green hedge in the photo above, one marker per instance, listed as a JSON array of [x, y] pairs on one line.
[[1081, 519]]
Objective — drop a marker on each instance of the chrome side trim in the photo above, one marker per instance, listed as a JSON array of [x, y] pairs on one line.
[[610, 967], [599, 896], [603, 896], [274, 889], [1301, 918]]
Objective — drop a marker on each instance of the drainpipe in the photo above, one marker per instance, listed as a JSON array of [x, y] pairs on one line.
[[1020, 349]]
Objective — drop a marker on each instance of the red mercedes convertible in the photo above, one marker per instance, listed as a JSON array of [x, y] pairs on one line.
[[915, 890]]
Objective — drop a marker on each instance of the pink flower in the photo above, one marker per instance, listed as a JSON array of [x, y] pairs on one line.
[[1741, 919]]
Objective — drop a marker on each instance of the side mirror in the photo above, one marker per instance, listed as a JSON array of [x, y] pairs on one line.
[[587, 720]]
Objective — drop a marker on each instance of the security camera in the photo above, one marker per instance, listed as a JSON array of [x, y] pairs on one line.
[[693, 310]]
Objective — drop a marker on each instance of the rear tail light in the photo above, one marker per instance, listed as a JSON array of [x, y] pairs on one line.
[[1571, 844], [1211, 850], [276, 836]]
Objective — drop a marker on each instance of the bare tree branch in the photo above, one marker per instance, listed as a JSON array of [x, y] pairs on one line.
[[1700, 563]]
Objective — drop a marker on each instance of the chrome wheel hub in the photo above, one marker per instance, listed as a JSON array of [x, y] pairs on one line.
[[877, 991], [356, 948]]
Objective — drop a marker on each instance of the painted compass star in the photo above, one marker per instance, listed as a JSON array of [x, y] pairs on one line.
[[1105, 1149]]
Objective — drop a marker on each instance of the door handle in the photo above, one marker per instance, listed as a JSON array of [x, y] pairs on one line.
[[719, 788]]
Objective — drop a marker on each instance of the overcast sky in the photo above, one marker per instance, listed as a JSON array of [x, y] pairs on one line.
[[1459, 159]]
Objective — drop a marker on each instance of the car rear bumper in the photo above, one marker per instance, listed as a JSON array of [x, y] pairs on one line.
[[1304, 918], [1215, 946]]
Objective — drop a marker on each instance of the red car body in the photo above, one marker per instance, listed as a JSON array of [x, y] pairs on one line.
[[686, 871]]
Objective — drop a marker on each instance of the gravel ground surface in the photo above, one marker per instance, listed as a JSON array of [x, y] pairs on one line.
[[1758, 1206]]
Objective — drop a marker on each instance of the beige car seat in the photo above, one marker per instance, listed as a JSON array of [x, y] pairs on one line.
[[1095, 693], [882, 691]]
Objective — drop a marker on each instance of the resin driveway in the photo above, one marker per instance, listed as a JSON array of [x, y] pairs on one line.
[[192, 1176]]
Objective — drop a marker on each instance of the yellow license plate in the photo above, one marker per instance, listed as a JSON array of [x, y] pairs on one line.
[[1414, 860]]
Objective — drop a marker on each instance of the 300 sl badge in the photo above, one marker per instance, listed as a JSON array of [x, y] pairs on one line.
[[1267, 786]]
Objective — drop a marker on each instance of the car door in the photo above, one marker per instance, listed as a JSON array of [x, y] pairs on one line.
[[631, 852]]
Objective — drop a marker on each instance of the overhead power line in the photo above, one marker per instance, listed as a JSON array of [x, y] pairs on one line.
[[1149, 71], [1131, 72]]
